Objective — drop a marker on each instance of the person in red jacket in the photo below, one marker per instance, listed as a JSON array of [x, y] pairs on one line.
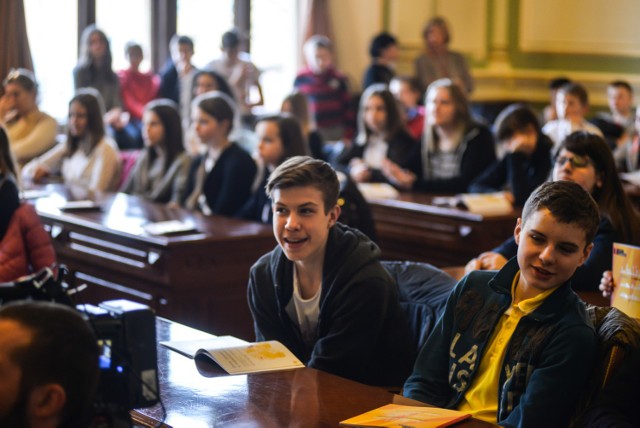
[[25, 246]]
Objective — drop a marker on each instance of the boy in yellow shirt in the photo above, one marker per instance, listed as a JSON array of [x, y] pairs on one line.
[[515, 347]]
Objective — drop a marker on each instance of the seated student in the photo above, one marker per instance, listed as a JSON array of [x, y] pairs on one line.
[[161, 170], [549, 113], [327, 91], [619, 123], [240, 72], [322, 291], [204, 81], [88, 158], [527, 161], [384, 54], [50, 369], [455, 149], [407, 91], [25, 247], [137, 89], [381, 137], [515, 347], [279, 138], [176, 76], [94, 70], [31, 132], [219, 180], [585, 159], [627, 154], [296, 105], [572, 105]]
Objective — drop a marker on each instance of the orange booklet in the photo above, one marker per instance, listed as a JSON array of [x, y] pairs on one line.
[[400, 416], [626, 277]]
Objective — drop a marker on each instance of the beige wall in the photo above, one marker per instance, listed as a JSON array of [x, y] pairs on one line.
[[515, 46]]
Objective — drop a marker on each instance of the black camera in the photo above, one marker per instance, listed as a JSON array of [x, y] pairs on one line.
[[126, 334]]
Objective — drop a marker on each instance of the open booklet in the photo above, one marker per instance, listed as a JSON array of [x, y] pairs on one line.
[[626, 277], [235, 356], [397, 415]]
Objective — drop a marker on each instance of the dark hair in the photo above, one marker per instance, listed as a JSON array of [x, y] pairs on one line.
[[172, 142], [7, 164], [85, 60], [217, 105], [558, 82], [92, 102], [611, 198], [394, 125], [301, 171], [515, 118], [23, 77], [293, 141], [621, 84], [231, 39], [380, 43], [299, 109], [577, 90], [181, 40], [412, 81], [221, 82], [62, 350], [437, 21], [568, 202], [132, 45]]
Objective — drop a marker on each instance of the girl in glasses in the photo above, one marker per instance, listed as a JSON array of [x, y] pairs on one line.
[[585, 159]]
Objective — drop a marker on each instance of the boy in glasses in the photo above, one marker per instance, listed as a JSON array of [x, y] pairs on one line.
[[515, 347]]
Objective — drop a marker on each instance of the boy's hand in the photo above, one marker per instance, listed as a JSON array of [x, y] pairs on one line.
[[606, 283], [40, 173], [522, 143], [486, 261], [359, 171], [395, 174]]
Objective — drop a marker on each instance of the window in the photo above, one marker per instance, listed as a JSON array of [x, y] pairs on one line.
[[122, 27], [52, 28], [274, 47], [205, 21]]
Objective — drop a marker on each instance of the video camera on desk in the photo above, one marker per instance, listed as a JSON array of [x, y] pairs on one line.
[[126, 335]]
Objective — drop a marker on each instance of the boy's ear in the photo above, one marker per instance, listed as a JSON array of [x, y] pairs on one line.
[[517, 230], [334, 214], [585, 253], [47, 401]]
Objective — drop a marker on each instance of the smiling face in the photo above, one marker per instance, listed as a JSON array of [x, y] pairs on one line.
[[270, 144], [375, 114], [549, 252], [300, 223], [78, 121], [584, 174]]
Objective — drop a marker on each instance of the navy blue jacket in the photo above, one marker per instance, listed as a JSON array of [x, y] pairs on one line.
[[547, 360]]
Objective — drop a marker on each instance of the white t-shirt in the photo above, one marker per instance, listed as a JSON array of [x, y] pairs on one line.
[[305, 312]]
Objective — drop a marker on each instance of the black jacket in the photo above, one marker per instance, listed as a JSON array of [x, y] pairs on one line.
[[362, 333]]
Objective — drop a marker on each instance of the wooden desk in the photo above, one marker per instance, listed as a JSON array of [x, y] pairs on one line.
[[202, 396], [197, 278], [412, 228]]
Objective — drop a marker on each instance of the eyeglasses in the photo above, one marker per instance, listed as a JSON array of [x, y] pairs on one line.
[[575, 161]]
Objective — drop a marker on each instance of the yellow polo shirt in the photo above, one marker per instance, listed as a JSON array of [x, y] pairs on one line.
[[481, 399]]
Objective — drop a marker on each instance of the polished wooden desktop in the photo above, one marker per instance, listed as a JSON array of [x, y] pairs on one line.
[[198, 278], [201, 395], [411, 227]]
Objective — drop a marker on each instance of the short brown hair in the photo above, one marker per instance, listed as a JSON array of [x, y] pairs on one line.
[[301, 171], [568, 202]]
